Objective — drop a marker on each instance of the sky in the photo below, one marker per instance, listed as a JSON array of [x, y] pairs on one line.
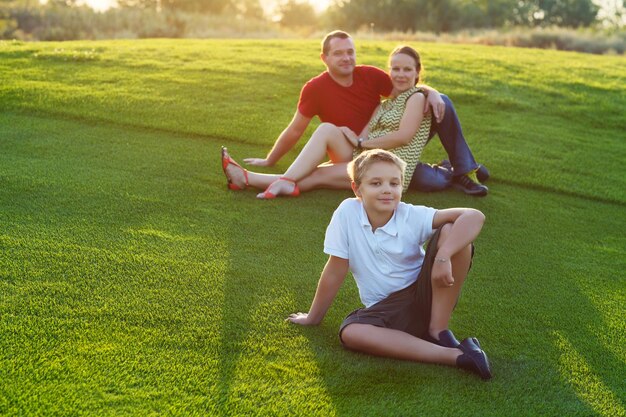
[[268, 5]]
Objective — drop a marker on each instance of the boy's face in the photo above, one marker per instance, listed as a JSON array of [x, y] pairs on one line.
[[380, 189]]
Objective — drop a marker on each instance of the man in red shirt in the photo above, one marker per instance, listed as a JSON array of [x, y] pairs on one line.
[[347, 94]]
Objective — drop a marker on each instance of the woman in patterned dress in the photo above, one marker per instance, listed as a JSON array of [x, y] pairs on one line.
[[398, 125]]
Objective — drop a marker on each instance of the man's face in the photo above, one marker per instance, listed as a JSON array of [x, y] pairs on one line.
[[341, 57]]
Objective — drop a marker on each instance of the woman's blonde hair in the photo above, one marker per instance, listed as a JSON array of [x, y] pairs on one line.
[[359, 165]]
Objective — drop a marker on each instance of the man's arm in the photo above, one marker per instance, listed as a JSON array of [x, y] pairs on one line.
[[434, 101], [287, 139], [332, 277], [466, 225]]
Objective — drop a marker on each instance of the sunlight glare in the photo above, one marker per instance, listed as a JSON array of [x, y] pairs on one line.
[[100, 5], [268, 5]]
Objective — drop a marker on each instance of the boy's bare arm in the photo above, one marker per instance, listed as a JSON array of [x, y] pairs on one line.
[[287, 139], [332, 277], [466, 225]]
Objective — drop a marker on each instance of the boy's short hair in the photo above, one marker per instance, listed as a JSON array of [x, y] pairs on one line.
[[359, 165], [332, 35]]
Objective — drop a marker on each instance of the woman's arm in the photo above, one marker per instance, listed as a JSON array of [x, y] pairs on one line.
[[410, 122], [332, 277]]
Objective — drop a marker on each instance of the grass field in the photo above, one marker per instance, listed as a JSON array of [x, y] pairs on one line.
[[133, 283]]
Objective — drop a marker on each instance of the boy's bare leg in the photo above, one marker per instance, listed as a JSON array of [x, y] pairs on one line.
[[444, 298], [396, 344]]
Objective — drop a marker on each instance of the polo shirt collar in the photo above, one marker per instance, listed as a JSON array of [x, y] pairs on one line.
[[391, 228]]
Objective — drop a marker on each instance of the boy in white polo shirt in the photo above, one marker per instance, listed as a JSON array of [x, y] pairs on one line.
[[409, 294]]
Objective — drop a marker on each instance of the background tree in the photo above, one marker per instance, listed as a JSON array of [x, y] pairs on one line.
[[563, 13], [485, 13], [452, 15], [569, 13], [386, 15], [139, 4], [294, 13], [196, 6], [8, 23], [245, 8]]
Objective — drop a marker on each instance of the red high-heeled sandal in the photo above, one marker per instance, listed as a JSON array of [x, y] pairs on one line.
[[294, 193], [226, 160]]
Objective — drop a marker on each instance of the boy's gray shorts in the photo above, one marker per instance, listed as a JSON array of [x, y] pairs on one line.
[[407, 310]]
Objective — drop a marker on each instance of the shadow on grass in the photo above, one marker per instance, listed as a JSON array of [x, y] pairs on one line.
[[559, 191], [587, 364], [263, 262], [559, 296], [586, 367]]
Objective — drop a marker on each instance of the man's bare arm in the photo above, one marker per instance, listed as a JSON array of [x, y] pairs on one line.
[[287, 140], [434, 101]]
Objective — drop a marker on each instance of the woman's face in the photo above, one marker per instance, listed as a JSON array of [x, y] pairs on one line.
[[403, 72]]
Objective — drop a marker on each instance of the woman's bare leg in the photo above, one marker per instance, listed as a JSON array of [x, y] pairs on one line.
[[238, 176], [327, 140], [445, 298], [396, 344], [332, 176], [327, 175], [261, 181]]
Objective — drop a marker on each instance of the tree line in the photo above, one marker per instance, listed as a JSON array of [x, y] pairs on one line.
[[70, 19], [453, 15]]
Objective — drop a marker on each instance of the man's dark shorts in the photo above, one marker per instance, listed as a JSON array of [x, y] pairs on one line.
[[407, 310]]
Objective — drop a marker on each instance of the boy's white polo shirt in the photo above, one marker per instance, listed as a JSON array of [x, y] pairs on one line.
[[387, 260]]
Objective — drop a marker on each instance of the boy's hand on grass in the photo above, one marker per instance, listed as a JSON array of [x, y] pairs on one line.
[[301, 318], [442, 273]]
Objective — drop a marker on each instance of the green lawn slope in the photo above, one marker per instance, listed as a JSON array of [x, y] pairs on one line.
[[133, 283]]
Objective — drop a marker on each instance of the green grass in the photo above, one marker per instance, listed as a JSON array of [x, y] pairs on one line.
[[133, 283]]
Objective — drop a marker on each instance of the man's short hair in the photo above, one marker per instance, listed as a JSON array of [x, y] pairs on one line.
[[359, 165], [334, 34]]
